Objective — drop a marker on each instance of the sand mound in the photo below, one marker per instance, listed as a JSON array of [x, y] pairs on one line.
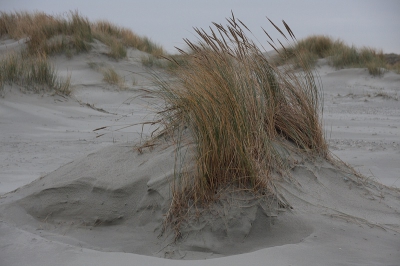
[[115, 199]]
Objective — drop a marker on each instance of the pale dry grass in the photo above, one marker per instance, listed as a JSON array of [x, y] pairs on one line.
[[35, 73], [48, 34], [119, 37], [71, 34], [338, 53], [67, 34], [242, 112], [111, 77]]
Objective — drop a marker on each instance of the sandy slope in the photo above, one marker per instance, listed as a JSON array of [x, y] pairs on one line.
[[362, 120], [99, 201], [39, 133]]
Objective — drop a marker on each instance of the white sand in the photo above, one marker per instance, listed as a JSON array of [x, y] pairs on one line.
[[98, 201]]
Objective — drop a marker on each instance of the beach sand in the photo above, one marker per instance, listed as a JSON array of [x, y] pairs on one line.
[[72, 197]]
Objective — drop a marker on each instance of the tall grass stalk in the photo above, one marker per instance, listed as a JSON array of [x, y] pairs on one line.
[[242, 111]]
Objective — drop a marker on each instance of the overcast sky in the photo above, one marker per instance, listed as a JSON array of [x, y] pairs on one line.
[[373, 23]]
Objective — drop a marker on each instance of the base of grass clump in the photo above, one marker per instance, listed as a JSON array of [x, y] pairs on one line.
[[244, 116]]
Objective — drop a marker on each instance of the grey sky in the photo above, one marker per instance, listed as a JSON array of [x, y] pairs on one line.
[[373, 23]]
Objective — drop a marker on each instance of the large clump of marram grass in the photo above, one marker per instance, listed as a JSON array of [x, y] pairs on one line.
[[241, 111]]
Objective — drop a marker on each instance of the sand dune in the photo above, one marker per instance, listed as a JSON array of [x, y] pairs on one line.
[[69, 198]]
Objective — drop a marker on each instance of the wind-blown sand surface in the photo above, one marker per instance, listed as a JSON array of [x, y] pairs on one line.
[[69, 198]]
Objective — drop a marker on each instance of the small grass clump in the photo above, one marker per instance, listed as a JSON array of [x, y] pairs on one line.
[[311, 48], [148, 60], [339, 54], [33, 72], [111, 77], [151, 61], [117, 38], [242, 112], [352, 57], [393, 62], [110, 35]]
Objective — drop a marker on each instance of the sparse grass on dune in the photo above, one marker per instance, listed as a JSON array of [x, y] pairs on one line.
[[33, 72], [148, 61], [393, 61], [155, 61], [312, 48], [127, 37], [338, 53], [72, 33], [242, 111], [353, 57], [48, 34], [111, 77]]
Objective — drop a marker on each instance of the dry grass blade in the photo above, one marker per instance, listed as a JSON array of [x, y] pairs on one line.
[[278, 29], [244, 25], [266, 33], [289, 30], [276, 50]]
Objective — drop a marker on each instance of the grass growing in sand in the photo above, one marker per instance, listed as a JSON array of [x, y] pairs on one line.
[[33, 72], [148, 61], [118, 38], [242, 112], [71, 34], [111, 77], [339, 55], [48, 34]]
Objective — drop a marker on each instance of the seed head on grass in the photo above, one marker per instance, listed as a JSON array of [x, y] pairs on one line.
[[241, 111]]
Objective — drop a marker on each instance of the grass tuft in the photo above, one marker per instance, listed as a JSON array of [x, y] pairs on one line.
[[148, 60], [339, 55], [242, 112], [33, 72], [71, 33], [117, 38], [111, 77]]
